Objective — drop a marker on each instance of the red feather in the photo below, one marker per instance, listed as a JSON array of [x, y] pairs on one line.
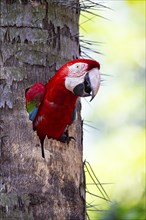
[[56, 109], [55, 112]]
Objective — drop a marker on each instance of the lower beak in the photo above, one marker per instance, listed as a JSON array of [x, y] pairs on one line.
[[90, 85]]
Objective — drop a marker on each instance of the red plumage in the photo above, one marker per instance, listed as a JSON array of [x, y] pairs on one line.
[[55, 111]]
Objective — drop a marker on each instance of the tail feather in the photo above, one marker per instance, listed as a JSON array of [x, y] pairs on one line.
[[42, 147]]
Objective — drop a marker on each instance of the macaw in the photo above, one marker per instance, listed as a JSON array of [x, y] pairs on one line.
[[51, 107]]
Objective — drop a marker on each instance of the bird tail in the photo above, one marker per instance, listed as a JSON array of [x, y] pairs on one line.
[[42, 147]]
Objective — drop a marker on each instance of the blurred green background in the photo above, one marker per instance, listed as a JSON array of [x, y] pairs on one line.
[[115, 148]]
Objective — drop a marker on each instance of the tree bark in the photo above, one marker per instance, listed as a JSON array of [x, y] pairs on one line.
[[37, 37]]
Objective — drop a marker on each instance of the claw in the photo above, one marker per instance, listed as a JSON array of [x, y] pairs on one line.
[[65, 138]]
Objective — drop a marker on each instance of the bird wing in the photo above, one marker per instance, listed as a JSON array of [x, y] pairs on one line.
[[34, 95]]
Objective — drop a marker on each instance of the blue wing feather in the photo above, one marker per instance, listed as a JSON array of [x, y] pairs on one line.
[[33, 113]]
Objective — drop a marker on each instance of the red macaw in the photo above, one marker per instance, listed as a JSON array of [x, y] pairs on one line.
[[51, 107]]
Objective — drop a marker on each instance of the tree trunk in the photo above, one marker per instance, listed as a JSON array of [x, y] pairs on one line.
[[36, 38]]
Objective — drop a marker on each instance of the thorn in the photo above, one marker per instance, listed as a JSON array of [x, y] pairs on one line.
[[99, 186]]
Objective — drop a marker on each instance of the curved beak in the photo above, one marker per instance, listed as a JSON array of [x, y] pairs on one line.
[[90, 85]]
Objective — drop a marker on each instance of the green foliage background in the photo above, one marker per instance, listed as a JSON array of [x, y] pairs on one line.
[[116, 149]]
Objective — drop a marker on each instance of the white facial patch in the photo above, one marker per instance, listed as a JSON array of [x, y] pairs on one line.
[[72, 82], [77, 69], [76, 75]]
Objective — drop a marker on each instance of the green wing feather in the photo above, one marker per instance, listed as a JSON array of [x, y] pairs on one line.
[[34, 96]]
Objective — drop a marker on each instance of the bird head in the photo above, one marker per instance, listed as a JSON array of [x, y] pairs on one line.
[[83, 77]]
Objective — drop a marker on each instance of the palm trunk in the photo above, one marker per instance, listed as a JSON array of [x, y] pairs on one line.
[[37, 37]]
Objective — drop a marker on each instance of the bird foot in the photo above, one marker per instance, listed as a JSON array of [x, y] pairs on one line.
[[65, 138]]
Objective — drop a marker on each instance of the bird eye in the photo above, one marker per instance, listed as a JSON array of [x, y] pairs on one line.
[[77, 66]]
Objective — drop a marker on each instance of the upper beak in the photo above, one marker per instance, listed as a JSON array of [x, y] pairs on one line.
[[90, 85]]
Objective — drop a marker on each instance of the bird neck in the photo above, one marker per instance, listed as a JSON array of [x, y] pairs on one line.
[[57, 92]]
